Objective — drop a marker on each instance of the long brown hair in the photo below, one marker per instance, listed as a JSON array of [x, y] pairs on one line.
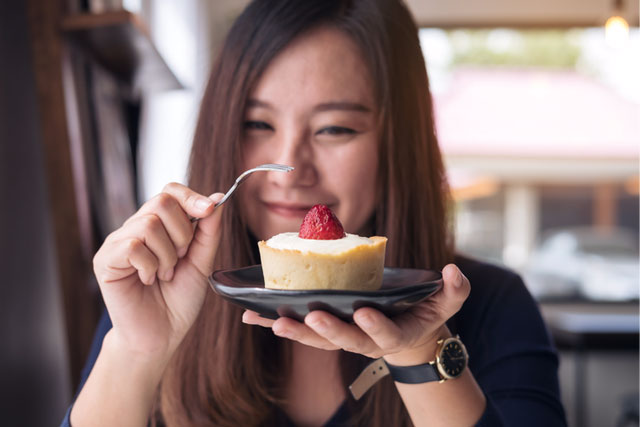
[[227, 373]]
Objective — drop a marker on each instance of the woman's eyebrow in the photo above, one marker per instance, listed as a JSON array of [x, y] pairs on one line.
[[256, 103], [346, 106], [325, 106]]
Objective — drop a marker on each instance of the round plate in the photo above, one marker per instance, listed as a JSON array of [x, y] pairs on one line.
[[401, 288]]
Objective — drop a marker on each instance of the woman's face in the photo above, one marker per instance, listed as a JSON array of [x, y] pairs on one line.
[[313, 108]]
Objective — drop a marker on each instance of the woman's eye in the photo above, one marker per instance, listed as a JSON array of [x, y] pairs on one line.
[[256, 125], [336, 130]]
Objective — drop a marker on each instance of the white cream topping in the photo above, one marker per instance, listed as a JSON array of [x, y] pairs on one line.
[[293, 242]]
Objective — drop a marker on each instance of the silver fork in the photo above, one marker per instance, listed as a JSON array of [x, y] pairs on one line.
[[244, 175]]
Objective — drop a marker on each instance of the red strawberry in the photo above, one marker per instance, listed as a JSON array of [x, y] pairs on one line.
[[321, 224]]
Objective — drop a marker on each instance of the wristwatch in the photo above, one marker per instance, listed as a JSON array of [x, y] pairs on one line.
[[450, 362]]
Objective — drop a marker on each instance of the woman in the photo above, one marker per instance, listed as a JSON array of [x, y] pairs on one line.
[[339, 90]]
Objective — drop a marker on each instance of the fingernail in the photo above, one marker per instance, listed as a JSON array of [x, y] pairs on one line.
[[203, 203], [319, 325], [216, 196], [168, 275], [284, 334], [458, 282], [365, 320], [182, 251]]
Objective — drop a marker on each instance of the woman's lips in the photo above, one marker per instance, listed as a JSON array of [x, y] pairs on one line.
[[288, 211]]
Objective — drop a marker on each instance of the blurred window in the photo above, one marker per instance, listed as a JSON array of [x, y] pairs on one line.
[[539, 130]]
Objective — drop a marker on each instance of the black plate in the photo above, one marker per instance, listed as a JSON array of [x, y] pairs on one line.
[[401, 288]]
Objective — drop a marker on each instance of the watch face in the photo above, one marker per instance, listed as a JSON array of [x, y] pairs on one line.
[[452, 359]]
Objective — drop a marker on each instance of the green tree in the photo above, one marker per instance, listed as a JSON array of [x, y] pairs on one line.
[[524, 48]]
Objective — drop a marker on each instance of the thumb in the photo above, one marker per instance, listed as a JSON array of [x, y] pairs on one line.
[[455, 291], [206, 239]]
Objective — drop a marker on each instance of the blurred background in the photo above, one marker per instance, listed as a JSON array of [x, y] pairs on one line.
[[538, 115]]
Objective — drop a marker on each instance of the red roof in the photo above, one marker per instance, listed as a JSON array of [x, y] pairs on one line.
[[541, 113]]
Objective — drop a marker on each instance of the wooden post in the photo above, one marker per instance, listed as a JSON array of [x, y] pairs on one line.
[[73, 261], [604, 206], [521, 221]]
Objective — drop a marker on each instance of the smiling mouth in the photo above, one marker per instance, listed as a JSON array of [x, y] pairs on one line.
[[289, 211]]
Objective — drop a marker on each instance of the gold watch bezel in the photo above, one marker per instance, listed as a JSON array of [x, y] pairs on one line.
[[442, 343]]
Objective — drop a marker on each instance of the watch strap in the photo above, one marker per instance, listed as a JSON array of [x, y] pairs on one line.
[[378, 369], [417, 374], [370, 375]]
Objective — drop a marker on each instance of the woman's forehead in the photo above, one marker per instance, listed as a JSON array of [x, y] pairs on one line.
[[322, 65]]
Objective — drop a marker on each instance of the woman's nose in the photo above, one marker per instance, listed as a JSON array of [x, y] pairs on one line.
[[294, 151]]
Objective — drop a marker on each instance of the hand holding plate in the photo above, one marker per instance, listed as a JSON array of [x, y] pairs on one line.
[[409, 338]]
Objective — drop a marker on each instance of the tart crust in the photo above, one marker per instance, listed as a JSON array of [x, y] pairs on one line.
[[359, 268]]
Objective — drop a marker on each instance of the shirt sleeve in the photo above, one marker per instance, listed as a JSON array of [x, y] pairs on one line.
[[510, 353], [104, 325]]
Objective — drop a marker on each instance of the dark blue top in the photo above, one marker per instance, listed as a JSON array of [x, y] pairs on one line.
[[510, 352]]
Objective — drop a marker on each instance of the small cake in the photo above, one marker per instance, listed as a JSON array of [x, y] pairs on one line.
[[322, 256]]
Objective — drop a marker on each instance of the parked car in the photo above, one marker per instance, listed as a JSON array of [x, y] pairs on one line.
[[586, 262]]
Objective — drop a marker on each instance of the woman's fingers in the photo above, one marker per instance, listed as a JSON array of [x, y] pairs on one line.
[[327, 332], [194, 204], [292, 329], [155, 237], [145, 246], [202, 244], [174, 218], [173, 207], [205, 241], [374, 334], [424, 320], [162, 225], [454, 293], [289, 328], [118, 260], [380, 329], [252, 318], [142, 260], [341, 334]]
